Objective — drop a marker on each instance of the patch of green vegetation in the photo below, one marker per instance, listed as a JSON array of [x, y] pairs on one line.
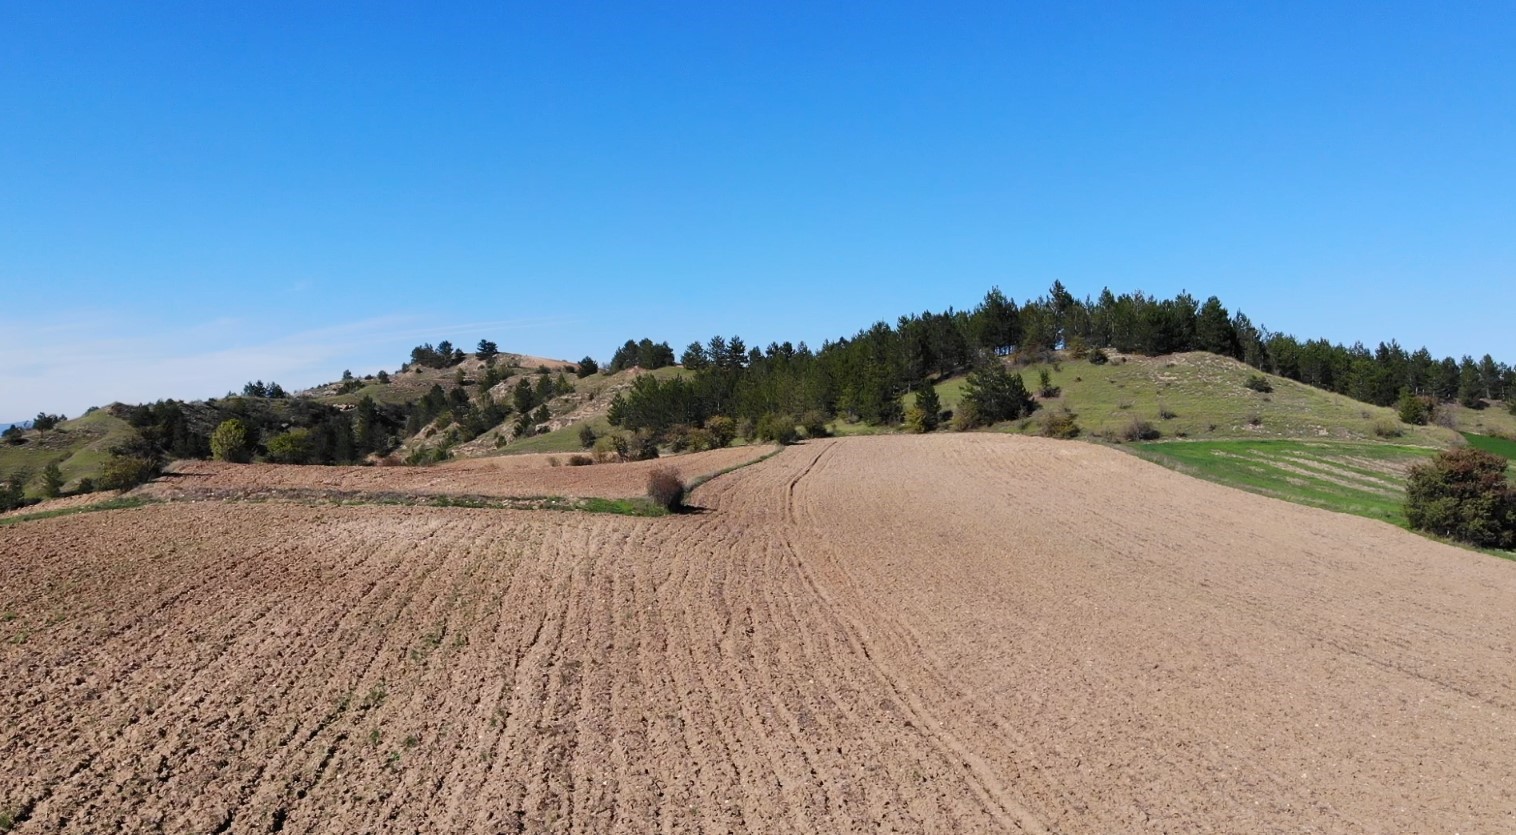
[[565, 440], [1364, 479], [1503, 447], [623, 507], [123, 503]]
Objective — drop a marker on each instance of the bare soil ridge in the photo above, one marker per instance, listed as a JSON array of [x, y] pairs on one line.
[[968, 633]]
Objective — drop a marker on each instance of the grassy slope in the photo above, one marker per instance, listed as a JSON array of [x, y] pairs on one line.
[[591, 399], [79, 446]]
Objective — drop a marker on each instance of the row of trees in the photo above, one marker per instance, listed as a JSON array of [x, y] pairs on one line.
[[863, 378]]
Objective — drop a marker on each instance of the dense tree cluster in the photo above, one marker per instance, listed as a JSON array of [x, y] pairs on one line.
[[172, 429], [258, 388], [643, 354], [444, 355]]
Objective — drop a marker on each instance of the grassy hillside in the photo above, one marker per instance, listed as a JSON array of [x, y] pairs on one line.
[[79, 447], [1205, 398]]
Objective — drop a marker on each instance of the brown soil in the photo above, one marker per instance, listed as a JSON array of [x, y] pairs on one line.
[[966, 633], [500, 476]]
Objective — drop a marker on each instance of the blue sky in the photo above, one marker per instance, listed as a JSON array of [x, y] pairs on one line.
[[196, 195]]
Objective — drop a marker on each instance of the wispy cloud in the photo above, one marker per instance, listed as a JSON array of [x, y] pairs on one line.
[[70, 364]]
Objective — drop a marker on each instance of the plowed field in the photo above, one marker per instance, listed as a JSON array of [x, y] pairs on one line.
[[966, 633]]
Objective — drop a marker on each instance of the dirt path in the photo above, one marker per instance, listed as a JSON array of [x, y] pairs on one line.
[[951, 633]]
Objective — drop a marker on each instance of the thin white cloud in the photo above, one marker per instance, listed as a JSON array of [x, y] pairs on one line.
[[68, 365]]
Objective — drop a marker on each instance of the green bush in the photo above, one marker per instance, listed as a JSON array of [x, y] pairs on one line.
[[123, 472], [229, 442], [722, 428], [292, 447], [1060, 425], [1259, 383], [814, 424], [587, 436], [779, 429], [1463, 494], [52, 480]]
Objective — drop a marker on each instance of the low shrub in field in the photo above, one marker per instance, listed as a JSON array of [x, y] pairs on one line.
[[1140, 430], [1165, 413], [579, 460], [814, 424], [1463, 494], [1386, 428], [1259, 383], [666, 488], [1060, 425]]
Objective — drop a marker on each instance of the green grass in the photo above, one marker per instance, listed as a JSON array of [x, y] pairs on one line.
[[1361, 478], [1500, 446], [124, 503]]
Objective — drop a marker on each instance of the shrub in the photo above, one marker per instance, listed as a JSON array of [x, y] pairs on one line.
[[52, 480], [86, 485], [587, 366], [1164, 413], [1386, 428], [747, 430], [1140, 430], [701, 440], [587, 436], [1045, 388], [645, 446], [915, 420], [1060, 425], [552, 461], [229, 442], [722, 428], [610, 448], [966, 418], [123, 472], [1255, 419], [1412, 409], [777, 428], [580, 460], [677, 437], [1099, 357], [1259, 383], [666, 488], [292, 447], [814, 424], [1463, 494], [13, 490]]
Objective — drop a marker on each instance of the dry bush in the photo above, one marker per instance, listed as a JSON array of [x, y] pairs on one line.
[[1165, 413], [580, 460], [1386, 428], [1140, 430], [666, 488], [552, 461]]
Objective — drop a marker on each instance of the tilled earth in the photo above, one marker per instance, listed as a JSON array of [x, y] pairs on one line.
[[945, 633]]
